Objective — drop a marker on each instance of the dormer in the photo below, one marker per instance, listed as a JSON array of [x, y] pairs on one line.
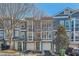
[[66, 11]]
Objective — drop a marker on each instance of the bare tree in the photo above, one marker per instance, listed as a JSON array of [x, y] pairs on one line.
[[13, 11]]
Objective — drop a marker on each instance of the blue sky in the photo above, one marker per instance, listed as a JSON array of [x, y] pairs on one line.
[[53, 8]]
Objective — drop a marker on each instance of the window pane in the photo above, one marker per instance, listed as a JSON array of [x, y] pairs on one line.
[[23, 34], [29, 35], [16, 33], [1, 33]]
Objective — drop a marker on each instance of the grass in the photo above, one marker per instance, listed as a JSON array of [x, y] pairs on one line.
[[8, 51]]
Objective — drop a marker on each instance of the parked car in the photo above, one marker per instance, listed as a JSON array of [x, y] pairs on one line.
[[69, 51], [76, 51], [47, 53]]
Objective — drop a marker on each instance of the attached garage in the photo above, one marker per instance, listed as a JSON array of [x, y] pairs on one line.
[[30, 46], [46, 46]]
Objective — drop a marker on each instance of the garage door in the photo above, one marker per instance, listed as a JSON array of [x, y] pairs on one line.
[[46, 46], [30, 46]]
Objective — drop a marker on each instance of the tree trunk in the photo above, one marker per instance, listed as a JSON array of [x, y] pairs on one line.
[[10, 39]]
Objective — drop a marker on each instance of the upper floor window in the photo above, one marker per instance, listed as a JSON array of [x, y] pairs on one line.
[[67, 25], [61, 22], [37, 35], [49, 35], [37, 25], [29, 35], [23, 34], [66, 11], [23, 25], [1, 33], [16, 33], [76, 38], [29, 25], [44, 35]]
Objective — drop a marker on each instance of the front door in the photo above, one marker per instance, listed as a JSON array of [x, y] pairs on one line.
[[24, 46], [19, 46], [37, 46]]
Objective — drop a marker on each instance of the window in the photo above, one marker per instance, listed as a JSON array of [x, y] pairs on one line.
[[16, 33], [44, 35], [37, 25], [67, 25], [23, 25], [29, 35], [76, 38], [49, 35], [29, 25], [61, 22], [23, 34], [1, 33], [38, 35], [77, 25], [72, 25], [67, 11], [49, 25], [72, 36], [44, 25]]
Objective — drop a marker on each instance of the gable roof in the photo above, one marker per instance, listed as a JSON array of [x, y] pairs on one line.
[[75, 13], [61, 13]]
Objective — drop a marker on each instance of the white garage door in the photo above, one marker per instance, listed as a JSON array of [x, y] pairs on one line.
[[46, 46], [30, 46]]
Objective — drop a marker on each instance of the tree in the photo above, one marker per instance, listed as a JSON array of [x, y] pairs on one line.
[[13, 12], [61, 41]]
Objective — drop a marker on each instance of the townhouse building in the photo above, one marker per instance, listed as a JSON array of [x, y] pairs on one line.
[[70, 19], [30, 34]]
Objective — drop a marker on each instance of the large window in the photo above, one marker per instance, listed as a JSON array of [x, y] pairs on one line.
[[61, 22], [77, 25], [49, 35], [77, 38], [16, 33], [49, 25], [38, 35], [44, 25], [44, 35], [67, 11], [37, 25], [23, 34], [29, 25], [23, 25], [1, 33], [29, 35], [67, 24]]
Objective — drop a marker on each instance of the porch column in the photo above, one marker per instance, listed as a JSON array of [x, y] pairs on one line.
[[40, 46], [22, 45]]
